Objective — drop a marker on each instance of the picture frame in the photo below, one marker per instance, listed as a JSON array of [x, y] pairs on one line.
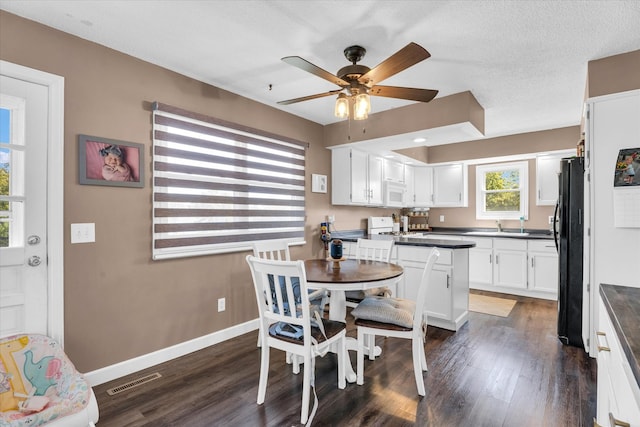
[[318, 183], [98, 162]]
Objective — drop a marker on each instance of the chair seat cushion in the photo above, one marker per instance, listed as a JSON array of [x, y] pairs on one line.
[[396, 311], [331, 328], [357, 296]]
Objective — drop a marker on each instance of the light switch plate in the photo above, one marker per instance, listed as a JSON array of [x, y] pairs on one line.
[[83, 233]]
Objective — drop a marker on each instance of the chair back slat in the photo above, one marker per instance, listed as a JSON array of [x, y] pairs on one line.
[[272, 249], [374, 250], [424, 287], [281, 291]]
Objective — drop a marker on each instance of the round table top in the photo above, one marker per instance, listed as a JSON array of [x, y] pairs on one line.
[[350, 271]]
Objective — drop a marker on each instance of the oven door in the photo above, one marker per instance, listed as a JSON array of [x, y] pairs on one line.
[[395, 194]]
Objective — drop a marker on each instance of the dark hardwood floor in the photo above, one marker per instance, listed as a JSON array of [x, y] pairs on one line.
[[494, 371]]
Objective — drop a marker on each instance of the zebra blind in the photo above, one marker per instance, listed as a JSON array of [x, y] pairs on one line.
[[217, 186]]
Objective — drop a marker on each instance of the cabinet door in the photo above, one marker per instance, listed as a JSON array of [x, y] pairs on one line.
[[510, 269], [393, 171], [480, 266], [543, 272], [359, 180], [375, 167], [409, 181], [423, 192], [449, 185], [439, 294], [547, 169]]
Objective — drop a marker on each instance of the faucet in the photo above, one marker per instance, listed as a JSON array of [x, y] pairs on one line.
[[499, 225]]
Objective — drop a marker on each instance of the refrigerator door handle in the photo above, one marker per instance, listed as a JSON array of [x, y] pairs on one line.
[[555, 224]]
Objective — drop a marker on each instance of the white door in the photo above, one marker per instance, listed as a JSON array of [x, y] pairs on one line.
[[36, 162], [23, 220]]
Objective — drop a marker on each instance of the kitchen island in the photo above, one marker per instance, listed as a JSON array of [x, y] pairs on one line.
[[448, 297]]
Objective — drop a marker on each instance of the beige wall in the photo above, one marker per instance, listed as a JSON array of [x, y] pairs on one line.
[[618, 73]]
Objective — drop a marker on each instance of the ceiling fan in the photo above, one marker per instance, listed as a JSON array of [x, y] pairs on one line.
[[357, 82]]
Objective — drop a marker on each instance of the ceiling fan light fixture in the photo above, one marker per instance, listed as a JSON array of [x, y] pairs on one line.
[[362, 106], [342, 106]]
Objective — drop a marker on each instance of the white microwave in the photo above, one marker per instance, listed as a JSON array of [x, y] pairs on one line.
[[395, 194]]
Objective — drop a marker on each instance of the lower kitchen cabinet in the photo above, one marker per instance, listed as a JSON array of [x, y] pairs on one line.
[[618, 392], [543, 266], [448, 295], [527, 267], [510, 263]]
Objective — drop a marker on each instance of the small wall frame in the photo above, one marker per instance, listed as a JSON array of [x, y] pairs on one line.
[[318, 183], [110, 162]]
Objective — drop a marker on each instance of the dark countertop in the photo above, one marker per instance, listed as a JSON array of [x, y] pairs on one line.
[[533, 234], [426, 241], [623, 305]]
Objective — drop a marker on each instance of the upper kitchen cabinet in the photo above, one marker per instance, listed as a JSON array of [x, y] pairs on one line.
[[423, 187], [547, 169], [450, 185], [356, 177], [393, 171]]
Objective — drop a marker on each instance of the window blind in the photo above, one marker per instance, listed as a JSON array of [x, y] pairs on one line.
[[219, 186]]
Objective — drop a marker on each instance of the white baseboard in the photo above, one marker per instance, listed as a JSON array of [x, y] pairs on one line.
[[109, 373]]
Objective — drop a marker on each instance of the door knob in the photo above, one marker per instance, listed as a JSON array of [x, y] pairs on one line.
[[34, 261]]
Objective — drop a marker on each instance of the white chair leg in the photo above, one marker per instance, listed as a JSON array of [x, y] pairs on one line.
[[423, 357], [306, 390], [417, 365], [295, 360], [360, 366], [342, 360], [371, 345], [264, 374]]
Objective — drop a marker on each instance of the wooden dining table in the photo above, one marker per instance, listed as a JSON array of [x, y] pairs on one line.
[[349, 275]]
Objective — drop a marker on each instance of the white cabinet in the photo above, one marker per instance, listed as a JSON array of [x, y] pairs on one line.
[[543, 266], [448, 296], [547, 169], [393, 171], [510, 263], [450, 185], [618, 395], [423, 193], [356, 178], [409, 182], [481, 263], [527, 267]]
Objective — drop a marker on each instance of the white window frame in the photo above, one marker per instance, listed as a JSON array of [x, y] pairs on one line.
[[482, 170]]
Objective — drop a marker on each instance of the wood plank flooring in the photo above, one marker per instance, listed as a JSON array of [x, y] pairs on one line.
[[494, 371]]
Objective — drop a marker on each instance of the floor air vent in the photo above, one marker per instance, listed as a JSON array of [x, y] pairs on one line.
[[135, 383]]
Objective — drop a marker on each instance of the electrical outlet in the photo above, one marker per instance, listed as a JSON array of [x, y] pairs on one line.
[[441, 218], [551, 219], [331, 219], [221, 304]]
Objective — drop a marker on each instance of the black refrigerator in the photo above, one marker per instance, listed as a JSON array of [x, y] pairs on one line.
[[569, 235]]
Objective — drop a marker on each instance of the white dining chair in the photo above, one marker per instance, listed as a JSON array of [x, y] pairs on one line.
[[396, 317], [279, 250], [371, 250], [285, 316]]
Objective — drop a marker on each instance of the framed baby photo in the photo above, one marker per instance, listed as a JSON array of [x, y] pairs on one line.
[[103, 161]]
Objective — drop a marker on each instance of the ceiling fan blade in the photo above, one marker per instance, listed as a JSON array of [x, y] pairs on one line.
[[409, 55], [307, 66], [413, 94], [307, 98]]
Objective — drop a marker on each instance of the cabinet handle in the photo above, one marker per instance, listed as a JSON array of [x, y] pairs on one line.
[[459, 197], [490, 258], [531, 262], [448, 281], [617, 423], [602, 347], [496, 258]]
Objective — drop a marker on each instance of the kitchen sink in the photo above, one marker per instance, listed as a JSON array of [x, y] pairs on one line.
[[495, 233]]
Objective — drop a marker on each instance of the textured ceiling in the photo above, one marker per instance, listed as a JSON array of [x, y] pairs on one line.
[[524, 61]]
